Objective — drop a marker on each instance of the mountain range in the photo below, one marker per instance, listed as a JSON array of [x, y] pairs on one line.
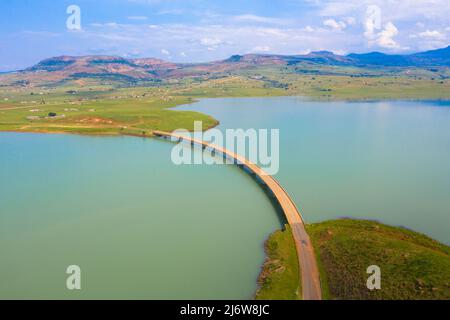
[[151, 69]]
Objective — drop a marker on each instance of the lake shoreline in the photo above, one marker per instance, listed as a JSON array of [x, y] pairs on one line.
[[216, 123]]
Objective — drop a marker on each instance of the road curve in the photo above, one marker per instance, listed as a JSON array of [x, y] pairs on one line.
[[310, 281]]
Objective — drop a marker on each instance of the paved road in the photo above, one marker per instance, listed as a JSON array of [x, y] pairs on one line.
[[305, 252]]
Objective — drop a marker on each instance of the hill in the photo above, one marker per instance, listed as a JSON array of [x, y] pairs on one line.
[[413, 266], [60, 70], [440, 57]]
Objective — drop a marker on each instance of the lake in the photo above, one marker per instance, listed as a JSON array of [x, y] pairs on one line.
[[380, 160], [141, 227]]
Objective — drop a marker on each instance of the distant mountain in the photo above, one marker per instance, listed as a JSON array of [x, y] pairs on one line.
[[440, 57], [378, 59], [68, 66], [149, 69], [319, 57]]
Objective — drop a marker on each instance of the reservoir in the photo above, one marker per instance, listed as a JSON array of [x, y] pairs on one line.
[[141, 227], [379, 160]]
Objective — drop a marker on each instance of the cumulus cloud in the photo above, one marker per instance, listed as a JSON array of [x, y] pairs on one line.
[[398, 19], [376, 34], [211, 42], [335, 25], [392, 10], [430, 39], [385, 37], [432, 35]]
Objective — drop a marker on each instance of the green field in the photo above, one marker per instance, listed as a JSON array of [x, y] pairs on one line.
[[102, 116], [412, 265], [98, 107]]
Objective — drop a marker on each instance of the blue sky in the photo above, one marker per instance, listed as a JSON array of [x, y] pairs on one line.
[[201, 30]]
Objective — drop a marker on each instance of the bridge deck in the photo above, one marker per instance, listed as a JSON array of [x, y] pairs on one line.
[[305, 252]]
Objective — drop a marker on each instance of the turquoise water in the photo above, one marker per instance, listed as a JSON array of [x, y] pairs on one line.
[[141, 227], [137, 225], [385, 160]]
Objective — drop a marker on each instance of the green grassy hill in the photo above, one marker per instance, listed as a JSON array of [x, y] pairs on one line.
[[413, 266]]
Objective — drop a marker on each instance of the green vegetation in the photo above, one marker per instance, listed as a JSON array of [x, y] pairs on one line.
[[105, 115], [279, 277], [106, 106], [412, 265]]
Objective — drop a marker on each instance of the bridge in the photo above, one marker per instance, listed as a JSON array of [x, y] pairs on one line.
[[309, 274]]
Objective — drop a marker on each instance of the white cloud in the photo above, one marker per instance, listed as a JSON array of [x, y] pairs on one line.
[[137, 18], [432, 35], [206, 42], [210, 41], [398, 19], [41, 33], [183, 54], [335, 25], [392, 10], [420, 24], [213, 43], [375, 33], [351, 21], [385, 37], [261, 49], [106, 24], [259, 19], [430, 39], [112, 24]]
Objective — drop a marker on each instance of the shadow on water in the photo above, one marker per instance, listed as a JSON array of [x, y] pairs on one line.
[[269, 194], [263, 187]]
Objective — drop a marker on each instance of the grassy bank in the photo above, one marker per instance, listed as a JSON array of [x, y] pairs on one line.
[[413, 266], [279, 277], [103, 116]]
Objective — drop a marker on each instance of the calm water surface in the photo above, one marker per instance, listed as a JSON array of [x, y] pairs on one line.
[[387, 161], [137, 225]]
